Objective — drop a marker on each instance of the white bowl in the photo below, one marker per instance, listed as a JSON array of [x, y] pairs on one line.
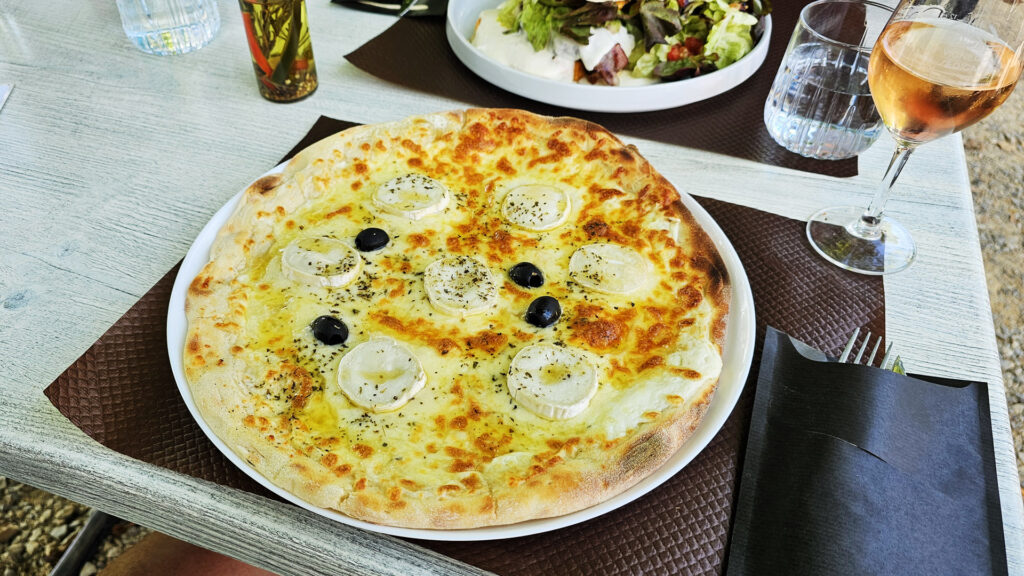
[[462, 17]]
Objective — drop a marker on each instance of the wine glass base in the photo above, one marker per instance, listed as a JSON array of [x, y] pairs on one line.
[[833, 234]]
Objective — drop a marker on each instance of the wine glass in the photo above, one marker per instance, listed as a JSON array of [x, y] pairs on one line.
[[938, 67]]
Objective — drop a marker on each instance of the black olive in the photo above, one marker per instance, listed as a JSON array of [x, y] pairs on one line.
[[526, 275], [329, 330], [543, 312], [372, 239]]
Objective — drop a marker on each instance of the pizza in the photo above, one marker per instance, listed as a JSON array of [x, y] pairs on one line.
[[458, 320]]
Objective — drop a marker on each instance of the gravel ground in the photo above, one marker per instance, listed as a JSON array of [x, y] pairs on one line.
[[995, 161], [36, 527]]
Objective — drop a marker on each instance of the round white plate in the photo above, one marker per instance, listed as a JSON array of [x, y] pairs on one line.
[[462, 17], [738, 352]]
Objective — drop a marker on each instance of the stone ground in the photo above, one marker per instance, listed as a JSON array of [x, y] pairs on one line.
[[36, 527], [995, 161]]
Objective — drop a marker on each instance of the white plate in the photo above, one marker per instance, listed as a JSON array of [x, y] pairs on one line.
[[738, 352], [462, 17]]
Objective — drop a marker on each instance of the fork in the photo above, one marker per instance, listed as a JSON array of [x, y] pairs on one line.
[[888, 362]]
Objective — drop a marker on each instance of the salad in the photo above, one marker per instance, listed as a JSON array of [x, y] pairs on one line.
[[619, 42]]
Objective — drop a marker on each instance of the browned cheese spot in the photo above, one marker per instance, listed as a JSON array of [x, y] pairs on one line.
[[418, 329], [598, 329], [652, 362], [596, 228], [460, 466], [559, 151], [489, 445], [418, 240], [471, 482], [456, 452], [516, 292], [338, 212], [474, 139], [488, 341], [505, 166], [446, 488]]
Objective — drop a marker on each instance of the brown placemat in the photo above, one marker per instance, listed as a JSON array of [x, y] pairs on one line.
[[414, 53], [121, 392]]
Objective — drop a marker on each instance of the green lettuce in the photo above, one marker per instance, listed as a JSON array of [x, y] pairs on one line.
[[729, 38], [644, 66], [539, 19], [508, 14]]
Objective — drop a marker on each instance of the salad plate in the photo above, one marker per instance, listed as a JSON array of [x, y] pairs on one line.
[[461, 24]]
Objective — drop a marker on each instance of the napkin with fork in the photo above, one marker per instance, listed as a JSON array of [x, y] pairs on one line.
[[851, 469]]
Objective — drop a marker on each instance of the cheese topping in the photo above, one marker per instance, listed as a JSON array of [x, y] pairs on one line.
[[536, 207], [412, 196], [321, 262], [553, 382], [609, 268], [460, 285], [381, 375]]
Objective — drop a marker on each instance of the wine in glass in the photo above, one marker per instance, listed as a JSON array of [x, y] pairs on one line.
[[938, 67]]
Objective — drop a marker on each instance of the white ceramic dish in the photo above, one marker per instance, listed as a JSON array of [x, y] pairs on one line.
[[462, 17], [738, 352]]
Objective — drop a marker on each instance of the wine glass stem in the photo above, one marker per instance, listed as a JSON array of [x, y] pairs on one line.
[[869, 224]]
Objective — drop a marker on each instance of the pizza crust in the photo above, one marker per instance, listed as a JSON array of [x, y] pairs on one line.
[[230, 388]]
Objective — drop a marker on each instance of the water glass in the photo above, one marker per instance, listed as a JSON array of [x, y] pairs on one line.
[[820, 105], [169, 26]]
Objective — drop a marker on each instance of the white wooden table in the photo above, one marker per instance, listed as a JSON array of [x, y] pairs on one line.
[[112, 160]]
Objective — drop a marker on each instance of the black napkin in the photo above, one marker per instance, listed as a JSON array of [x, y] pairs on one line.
[[855, 470]]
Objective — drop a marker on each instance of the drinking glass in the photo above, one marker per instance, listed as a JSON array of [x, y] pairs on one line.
[[820, 105], [938, 67], [167, 27]]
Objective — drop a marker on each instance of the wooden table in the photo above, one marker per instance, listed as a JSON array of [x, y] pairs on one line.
[[112, 160]]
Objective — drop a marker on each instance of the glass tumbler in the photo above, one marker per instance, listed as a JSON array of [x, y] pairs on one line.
[[820, 105], [166, 27]]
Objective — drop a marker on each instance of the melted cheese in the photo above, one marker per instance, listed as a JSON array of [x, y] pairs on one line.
[[463, 427]]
